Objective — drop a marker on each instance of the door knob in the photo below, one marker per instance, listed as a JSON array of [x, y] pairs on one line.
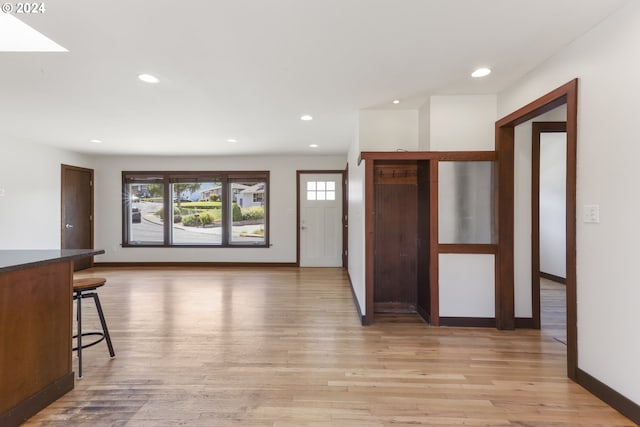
[[68, 226]]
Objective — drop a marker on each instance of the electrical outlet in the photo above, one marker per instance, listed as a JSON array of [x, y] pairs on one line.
[[1, 192], [591, 214]]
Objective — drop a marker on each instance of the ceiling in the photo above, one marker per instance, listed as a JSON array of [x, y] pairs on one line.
[[248, 69]]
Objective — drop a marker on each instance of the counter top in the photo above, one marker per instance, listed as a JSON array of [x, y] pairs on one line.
[[17, 259]]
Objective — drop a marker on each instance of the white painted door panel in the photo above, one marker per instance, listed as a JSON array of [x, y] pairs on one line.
[[320, 220]]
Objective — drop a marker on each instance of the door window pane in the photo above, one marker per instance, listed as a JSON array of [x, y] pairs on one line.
[[465, 202], [321, 190]]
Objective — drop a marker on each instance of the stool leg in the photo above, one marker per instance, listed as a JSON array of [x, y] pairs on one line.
[[105, 330], [79, 318]]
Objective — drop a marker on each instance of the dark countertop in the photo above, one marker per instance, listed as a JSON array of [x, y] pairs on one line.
[[18, 259]]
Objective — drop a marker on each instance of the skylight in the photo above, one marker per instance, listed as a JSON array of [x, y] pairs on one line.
[[16, 36]]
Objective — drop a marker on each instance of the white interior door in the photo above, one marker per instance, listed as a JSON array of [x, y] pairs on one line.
[[320, 220]]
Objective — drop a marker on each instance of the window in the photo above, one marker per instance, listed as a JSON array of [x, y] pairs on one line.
[[321, 190], [209, 209], [465, 202], [247, 212]]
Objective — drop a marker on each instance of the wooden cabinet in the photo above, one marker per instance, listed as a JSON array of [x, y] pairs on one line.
[[35, 330]]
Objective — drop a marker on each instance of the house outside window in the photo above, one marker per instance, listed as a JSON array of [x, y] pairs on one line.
[[193, 209]]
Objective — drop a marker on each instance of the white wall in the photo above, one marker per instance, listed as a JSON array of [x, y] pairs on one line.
[[356, 226], [282, 213], [462, 122], [608, 150], [388, 130], [424, 127], [467, 285], [553, 193], [30, 207], [522, 221]]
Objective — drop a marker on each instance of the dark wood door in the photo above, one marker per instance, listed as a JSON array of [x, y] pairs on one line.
[[77, 212], [396, 228]]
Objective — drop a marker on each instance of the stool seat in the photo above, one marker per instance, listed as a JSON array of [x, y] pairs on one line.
[[88, 283], [84, 288]]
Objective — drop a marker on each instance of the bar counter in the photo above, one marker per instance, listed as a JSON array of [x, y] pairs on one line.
[[36, 306]]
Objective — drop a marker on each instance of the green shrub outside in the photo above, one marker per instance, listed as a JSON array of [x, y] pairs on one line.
[[210, 214], [198, 205], [189, 220], [206, 218], [253, 213], [237, 213], [203, 219]]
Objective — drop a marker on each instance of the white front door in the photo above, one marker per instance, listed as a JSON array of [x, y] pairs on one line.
[[320, 220]]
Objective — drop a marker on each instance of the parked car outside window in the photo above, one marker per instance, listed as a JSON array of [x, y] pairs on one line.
[[136, 216]]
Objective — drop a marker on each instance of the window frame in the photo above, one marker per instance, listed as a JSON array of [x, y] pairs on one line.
[[167, 178]]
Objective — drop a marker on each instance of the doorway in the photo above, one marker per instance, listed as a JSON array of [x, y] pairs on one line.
[[321, 219], [566, 94], [548, 231], [77, 212]]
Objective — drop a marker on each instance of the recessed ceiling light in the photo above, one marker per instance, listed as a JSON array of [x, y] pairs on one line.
[[232, 140], [96, 141], [313, 145], [396, 101], [306, 118], [148, 78], [481, 72]]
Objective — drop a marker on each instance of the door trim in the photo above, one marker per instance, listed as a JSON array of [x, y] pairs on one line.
[[63, 169], [343, 174], [345, 217], [505, 129], [536, 129]]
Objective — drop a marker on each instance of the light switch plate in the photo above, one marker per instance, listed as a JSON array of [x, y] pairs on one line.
[[1, 192], [591, 214]]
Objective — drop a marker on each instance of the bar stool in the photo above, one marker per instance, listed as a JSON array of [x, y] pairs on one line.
[[85, 288]]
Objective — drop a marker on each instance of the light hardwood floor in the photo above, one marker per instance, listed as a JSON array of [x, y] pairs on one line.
[[284, 347], [553, 309]]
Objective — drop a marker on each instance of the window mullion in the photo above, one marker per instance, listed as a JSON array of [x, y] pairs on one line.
[[226, 205], [168, 214]]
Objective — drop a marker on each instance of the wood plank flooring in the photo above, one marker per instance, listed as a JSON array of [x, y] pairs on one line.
[[283, 347], [553, 309]]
